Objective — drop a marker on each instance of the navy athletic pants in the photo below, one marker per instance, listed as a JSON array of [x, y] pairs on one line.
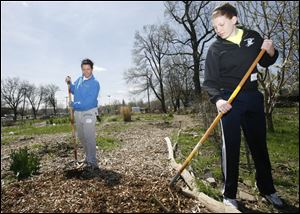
[[247, 112]]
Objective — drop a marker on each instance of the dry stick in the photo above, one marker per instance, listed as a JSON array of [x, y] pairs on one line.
[[72, 123], [165, 209], [217, 119], [210, 203], [188, 178], [173, 198]]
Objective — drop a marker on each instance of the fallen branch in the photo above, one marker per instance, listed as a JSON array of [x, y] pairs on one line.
[[210, 203], [188, 178]]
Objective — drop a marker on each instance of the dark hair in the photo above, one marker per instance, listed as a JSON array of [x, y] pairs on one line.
[[225, 10], [87, 62]]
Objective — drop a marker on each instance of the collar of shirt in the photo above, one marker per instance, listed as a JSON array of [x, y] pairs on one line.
[[84, 78], [237, 38]]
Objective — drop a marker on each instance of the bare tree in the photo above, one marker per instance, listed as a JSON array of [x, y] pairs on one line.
[[179, 81], [185, 74], [150, 49], [2, 104], [173, 88], [12, 93], [24, 86], [278, 20], [194, 16], [140, 78], [35, 97], [50, 91]]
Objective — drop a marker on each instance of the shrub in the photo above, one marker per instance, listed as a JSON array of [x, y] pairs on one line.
[[126, 112], [24, 163], [51, 121]]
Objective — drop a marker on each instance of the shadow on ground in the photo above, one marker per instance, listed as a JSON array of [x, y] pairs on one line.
[[111, 178]]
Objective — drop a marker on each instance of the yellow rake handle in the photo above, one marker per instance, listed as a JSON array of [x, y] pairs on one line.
[[217, 119]]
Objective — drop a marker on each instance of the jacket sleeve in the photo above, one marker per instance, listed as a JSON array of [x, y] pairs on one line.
[[72, 86], [267, 60], [211, 82]]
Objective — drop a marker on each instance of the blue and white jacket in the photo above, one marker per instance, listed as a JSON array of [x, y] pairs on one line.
[[85, 93]]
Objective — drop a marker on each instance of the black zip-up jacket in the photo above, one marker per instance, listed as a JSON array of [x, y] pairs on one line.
[[226, 64]]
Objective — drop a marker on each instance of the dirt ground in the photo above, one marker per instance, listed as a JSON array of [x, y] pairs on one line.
[[132, 178]]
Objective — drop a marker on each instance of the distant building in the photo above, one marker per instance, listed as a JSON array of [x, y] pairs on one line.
[[136, 109]]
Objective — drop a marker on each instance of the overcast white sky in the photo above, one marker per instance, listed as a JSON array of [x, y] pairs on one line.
[[43, 42]]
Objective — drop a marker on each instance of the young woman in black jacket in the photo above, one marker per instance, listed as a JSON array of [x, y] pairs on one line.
[[227, 61]]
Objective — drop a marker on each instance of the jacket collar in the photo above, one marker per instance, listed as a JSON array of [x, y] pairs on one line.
[[224, 41], [91, 78]]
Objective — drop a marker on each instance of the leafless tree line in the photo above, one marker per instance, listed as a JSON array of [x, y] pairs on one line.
[[169, 58], [169, 61], [15, 93]]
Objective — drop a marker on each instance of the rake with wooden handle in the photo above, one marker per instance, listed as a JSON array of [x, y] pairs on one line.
[[217, 119], [72, 123]]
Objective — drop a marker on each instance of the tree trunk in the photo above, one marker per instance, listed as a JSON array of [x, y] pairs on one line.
[[163, 103], [148, 94], [45, 110], [15, 114], [177, 103], [23, 108], [175, 108], [196, 78], [34, 113], [173, 104]]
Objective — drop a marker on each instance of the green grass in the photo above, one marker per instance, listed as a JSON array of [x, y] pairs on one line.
[[107, 143], [208, 190], [206, 160], [22, 122], [151, 117], [58, 120], [7, 140], [112, 128], [283, 146], [37, 146], [62, 125], [138, 117], [31, 130]]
